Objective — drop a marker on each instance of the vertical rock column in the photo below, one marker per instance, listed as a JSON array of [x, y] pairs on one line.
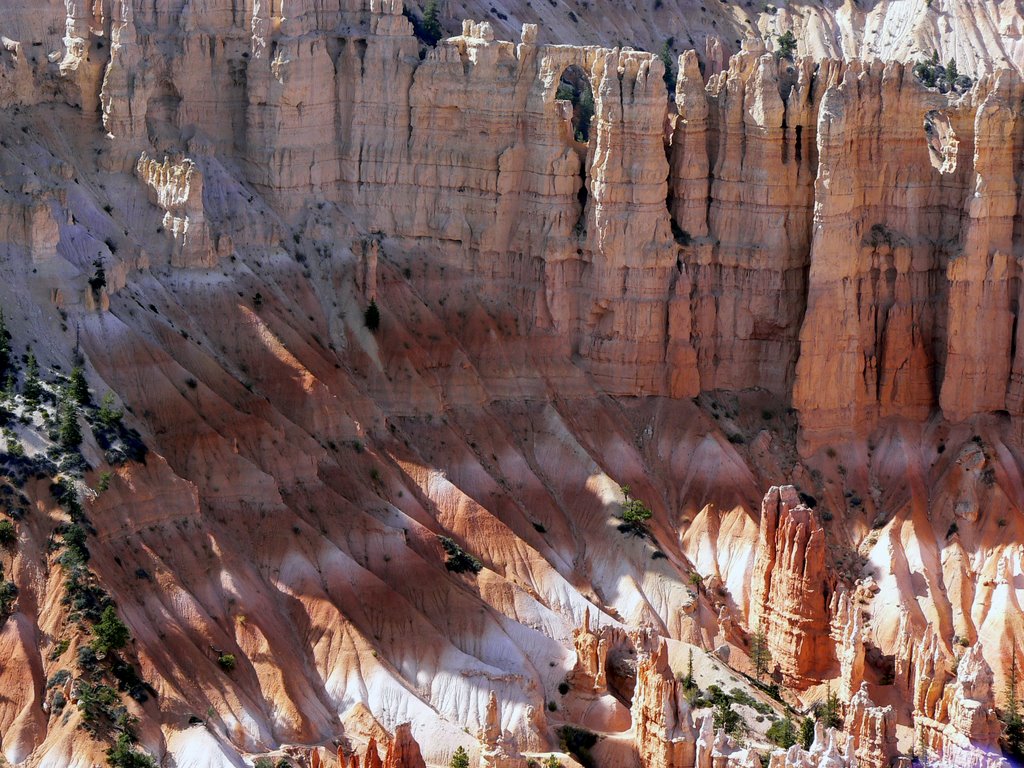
[[662, 723], [628, 238], [884, 220], [791, 588], [982, 299]]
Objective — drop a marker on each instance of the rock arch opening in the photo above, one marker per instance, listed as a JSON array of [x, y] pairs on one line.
[[574, 88]]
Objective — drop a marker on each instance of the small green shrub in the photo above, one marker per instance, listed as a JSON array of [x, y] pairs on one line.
[[110, 633], [635, 514], [227, 661], [458, 560], [8, 533], [786, 45], [371, 317], [460, 759], [782, 733], [8, 594]]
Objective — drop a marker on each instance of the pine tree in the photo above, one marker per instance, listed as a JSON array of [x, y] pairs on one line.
[[807, 733], [5, 343], [785, 45], [830, 713], [460, 759], [110, 632], [725, 717], [70, 434], [32, 389], [432, 23], [760, 655], [108, 415], [1013, 722], [79, 388], [782, 733], [951, 71], [688, 681], [922, 748], [670, 75]]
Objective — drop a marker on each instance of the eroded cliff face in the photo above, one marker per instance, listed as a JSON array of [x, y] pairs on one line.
[[799, 276]]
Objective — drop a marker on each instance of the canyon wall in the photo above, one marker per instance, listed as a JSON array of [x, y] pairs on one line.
[[796, 273]]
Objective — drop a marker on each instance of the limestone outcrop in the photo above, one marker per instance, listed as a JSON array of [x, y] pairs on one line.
[[791, 587], [872, 730], [848, 633], [499, 750], [386, 340], [952, 705], [662, 723]]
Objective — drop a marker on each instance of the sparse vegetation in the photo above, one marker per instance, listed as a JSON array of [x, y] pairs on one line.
[[70, 433], [5, 344], [830, 711], [1013, 722], [110, 632], [458, 560], [460, 759], [635, 514], [577, 742], [760, 655], [227, 661], [807, 732], [32, 388], [8, 594], [947, 78], [670, 73], [576, 89], [8, 533], [783, 732], [109, 415], [98, 281], [428, 30], [78, 388], [371, 317], [725, 717], [785, 45]]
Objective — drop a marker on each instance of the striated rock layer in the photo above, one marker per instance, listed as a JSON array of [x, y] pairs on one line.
[[394, 341]]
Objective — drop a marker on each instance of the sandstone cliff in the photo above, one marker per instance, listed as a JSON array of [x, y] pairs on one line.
[[779, 279]]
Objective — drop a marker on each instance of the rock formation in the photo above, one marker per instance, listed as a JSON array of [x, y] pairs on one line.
[[801, 270], [662, 724], [403, 751], [872, 730], [953, 715], [848, 633], [590, 672], [499, 749], [791, 586]]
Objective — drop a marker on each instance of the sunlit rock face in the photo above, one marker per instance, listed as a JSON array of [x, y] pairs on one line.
[[780, 305]]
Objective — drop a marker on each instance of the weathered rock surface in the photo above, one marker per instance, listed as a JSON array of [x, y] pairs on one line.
[[872, 730], [662, 723], [705, 300], [791, 587]]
